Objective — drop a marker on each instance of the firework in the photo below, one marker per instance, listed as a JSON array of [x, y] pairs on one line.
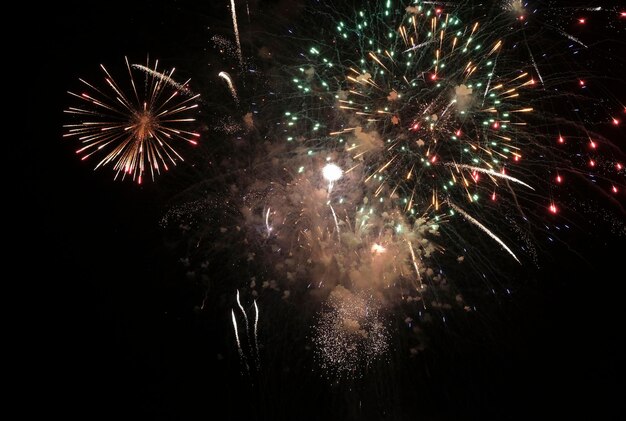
[[437, 109], [233, 12], [350, 334], [252, 344], [404, 130], [242, 356], [231, 87], [137, 131]]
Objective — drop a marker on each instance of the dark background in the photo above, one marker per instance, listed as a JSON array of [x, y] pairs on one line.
[[114, 330]]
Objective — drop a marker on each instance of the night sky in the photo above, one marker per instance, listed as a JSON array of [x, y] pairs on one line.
[[116, 329]]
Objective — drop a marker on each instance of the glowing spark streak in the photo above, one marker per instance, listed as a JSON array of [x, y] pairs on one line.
[[256, 319], [532, 58], [384, 167], [389, 55], [229, 82], [236, 27], [256, 323], [490, 76], [350, 169], [495, 48], [469, 39], [571, 37], [417, 270], [232, 312], [471, 219], [448, 107], [241, 355], [410, 204], [165, 78], [336, 222], [490, 172], [267, 222], [403, 34], [379, 189], [243, 312], [342, 131], [373, 56]]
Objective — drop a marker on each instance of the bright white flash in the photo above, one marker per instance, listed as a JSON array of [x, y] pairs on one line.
[[378, 249], [332, 173]]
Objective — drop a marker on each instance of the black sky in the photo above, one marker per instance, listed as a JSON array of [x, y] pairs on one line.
[[112, 329]]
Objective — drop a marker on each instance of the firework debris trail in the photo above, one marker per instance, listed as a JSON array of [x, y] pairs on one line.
[[231, 86], [254, 343]]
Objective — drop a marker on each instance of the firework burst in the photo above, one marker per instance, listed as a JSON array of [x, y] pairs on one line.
[[350, 333], [437, 107], [137, 131], [410, 140]]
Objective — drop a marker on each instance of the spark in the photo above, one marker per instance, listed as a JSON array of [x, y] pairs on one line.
[[256, 337], [336, 222], [532, 58], [242, 356], [415, 47], [331, 173], [236, 29], [490, 172], [414, 260], [231, 86], [573, 38], [267, 222], [471, 219], [245, 317], [167, 78], [232, 312]]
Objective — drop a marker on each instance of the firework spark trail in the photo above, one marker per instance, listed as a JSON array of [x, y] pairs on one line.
[[336, 222], [484, 228], [252, 344], [236, 28], [488, 171], [572, 38], [245, 317], [231, 87], [532, 58], [256, 337], [489, 82], [232, 312], [440, 3], [267, 222], [415, 47], [583, 9], [414, 260], [241, 354], [182, 87]]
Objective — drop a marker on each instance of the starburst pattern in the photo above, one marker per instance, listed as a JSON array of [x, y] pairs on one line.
[[138, 130]]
